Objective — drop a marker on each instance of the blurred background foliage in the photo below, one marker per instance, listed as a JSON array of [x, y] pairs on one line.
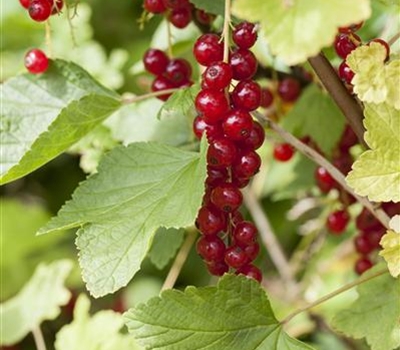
[[105, 38]]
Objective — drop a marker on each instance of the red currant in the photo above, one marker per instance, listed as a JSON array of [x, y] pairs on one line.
[[221, 153], [324, 180], [211, 248], [204, 17], [180, 17], [363, 264], [154, 6], [283, 152], [366, 222], [36, 61], [247, 95], [250, 271], [40, 10], [208, 49], [237, 124], [226, 197], [155, 61], [217, 268], [236, 257], [244, 35], [217, 76], [245, 233], [267, 98], [243, 63], [289, 89], [211, 105], [178, 71], [348, 139], [344, 44], [246, 165], [161, 83], [212, 130], [345, 73], [252, 251], [362, 244], [25, 3], [256, 137], [176, 4], [216, 176], [337, 221], [210, 221]]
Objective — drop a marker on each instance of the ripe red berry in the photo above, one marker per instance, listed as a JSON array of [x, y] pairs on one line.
[[343, 162], [217, 76], [208, 49], [36, 61], [243, 63], [154, 6], [226, 197], [324, 180], [363, 244], [178, 71], [337, 221], [247, 95], [237, 124], [345, 73], [161, 83], [283, 152], [384, 44], [250, 271], [245, 233], [221, 153], [363, 264], [155, 61], [252, 250], [289, 89], [211, 248], [216, 176], [246, 165], [203, 17], [346, 43], [40, 10], [212, 130], [176, 4], [236, 257], [210, 221], [256, 137], [244, 35], [366, 222], [348, 139], [217, 268], [211, 105], [180, 17], [267, 98], [25, 3]]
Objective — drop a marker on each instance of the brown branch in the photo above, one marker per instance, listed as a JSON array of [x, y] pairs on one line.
[[320, 160], [347, 104]]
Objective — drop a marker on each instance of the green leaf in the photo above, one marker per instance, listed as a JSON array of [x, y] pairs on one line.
[[217, 7], [165, 245], [38, 301], [43, 115], [297, 30], [234, 315], [315, 114], [376, 173], [99, 332], [375, 314], [137, 189], [390, 243]]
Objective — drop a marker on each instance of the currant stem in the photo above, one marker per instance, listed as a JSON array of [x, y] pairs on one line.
[[333, 294], [48, 39], [270, 241], [226, 30], [39, 339], [320, 160], [169, 35], [133, 99], [393, 39], [348, 105], [179, 261]]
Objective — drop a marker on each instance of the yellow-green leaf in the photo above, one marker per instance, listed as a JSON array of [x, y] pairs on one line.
[[298, 29], [390, 243]]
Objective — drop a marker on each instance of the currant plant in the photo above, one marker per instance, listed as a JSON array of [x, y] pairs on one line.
[[238, 183]]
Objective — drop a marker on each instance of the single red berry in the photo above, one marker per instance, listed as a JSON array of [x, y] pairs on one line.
[[289, 89], [346, 43], [221, 153], [180, 17], [236, 217], [345, 73], [243, 63], [226, 197], [267, 98], [374, 237], [176, 4], [244, 35], [363, 264], [256, 137], [246, 165], [40, 10], [178, 71], [25, 3], [211, 105], [217, 76], [324, 180], [216, 176], [362, 244], [208, 49], [217, 268], [211, 248], [366, 222], [236, 257], [343, 162], [36, 61], [283, 152], [351, 29], [155, 61], [348, 139], [245, 233], [337, 221], [391, 208], [250, 271], [239, 182], [154, 6], [247, 95], [384, 44], [161, 83], [237, 124], [210, 221], [212, 130], [203, 17], [252, 250]]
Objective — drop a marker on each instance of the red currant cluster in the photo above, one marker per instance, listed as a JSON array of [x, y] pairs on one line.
[[41, 10], [169, 73], [233, 136], [178, 12], [347, 41]]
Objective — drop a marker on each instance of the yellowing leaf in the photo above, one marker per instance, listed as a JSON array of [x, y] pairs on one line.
[[375, 81], [376, 173], [298, 29], [390, 243]]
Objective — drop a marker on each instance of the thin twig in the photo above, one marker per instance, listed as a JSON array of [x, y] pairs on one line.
[[169, 38], [179, 260], [335, 293], [226, 32], [39, 339], [320, 160], [48, 39], [393, 39], [270, 241], [332, 83], [134, 99]]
